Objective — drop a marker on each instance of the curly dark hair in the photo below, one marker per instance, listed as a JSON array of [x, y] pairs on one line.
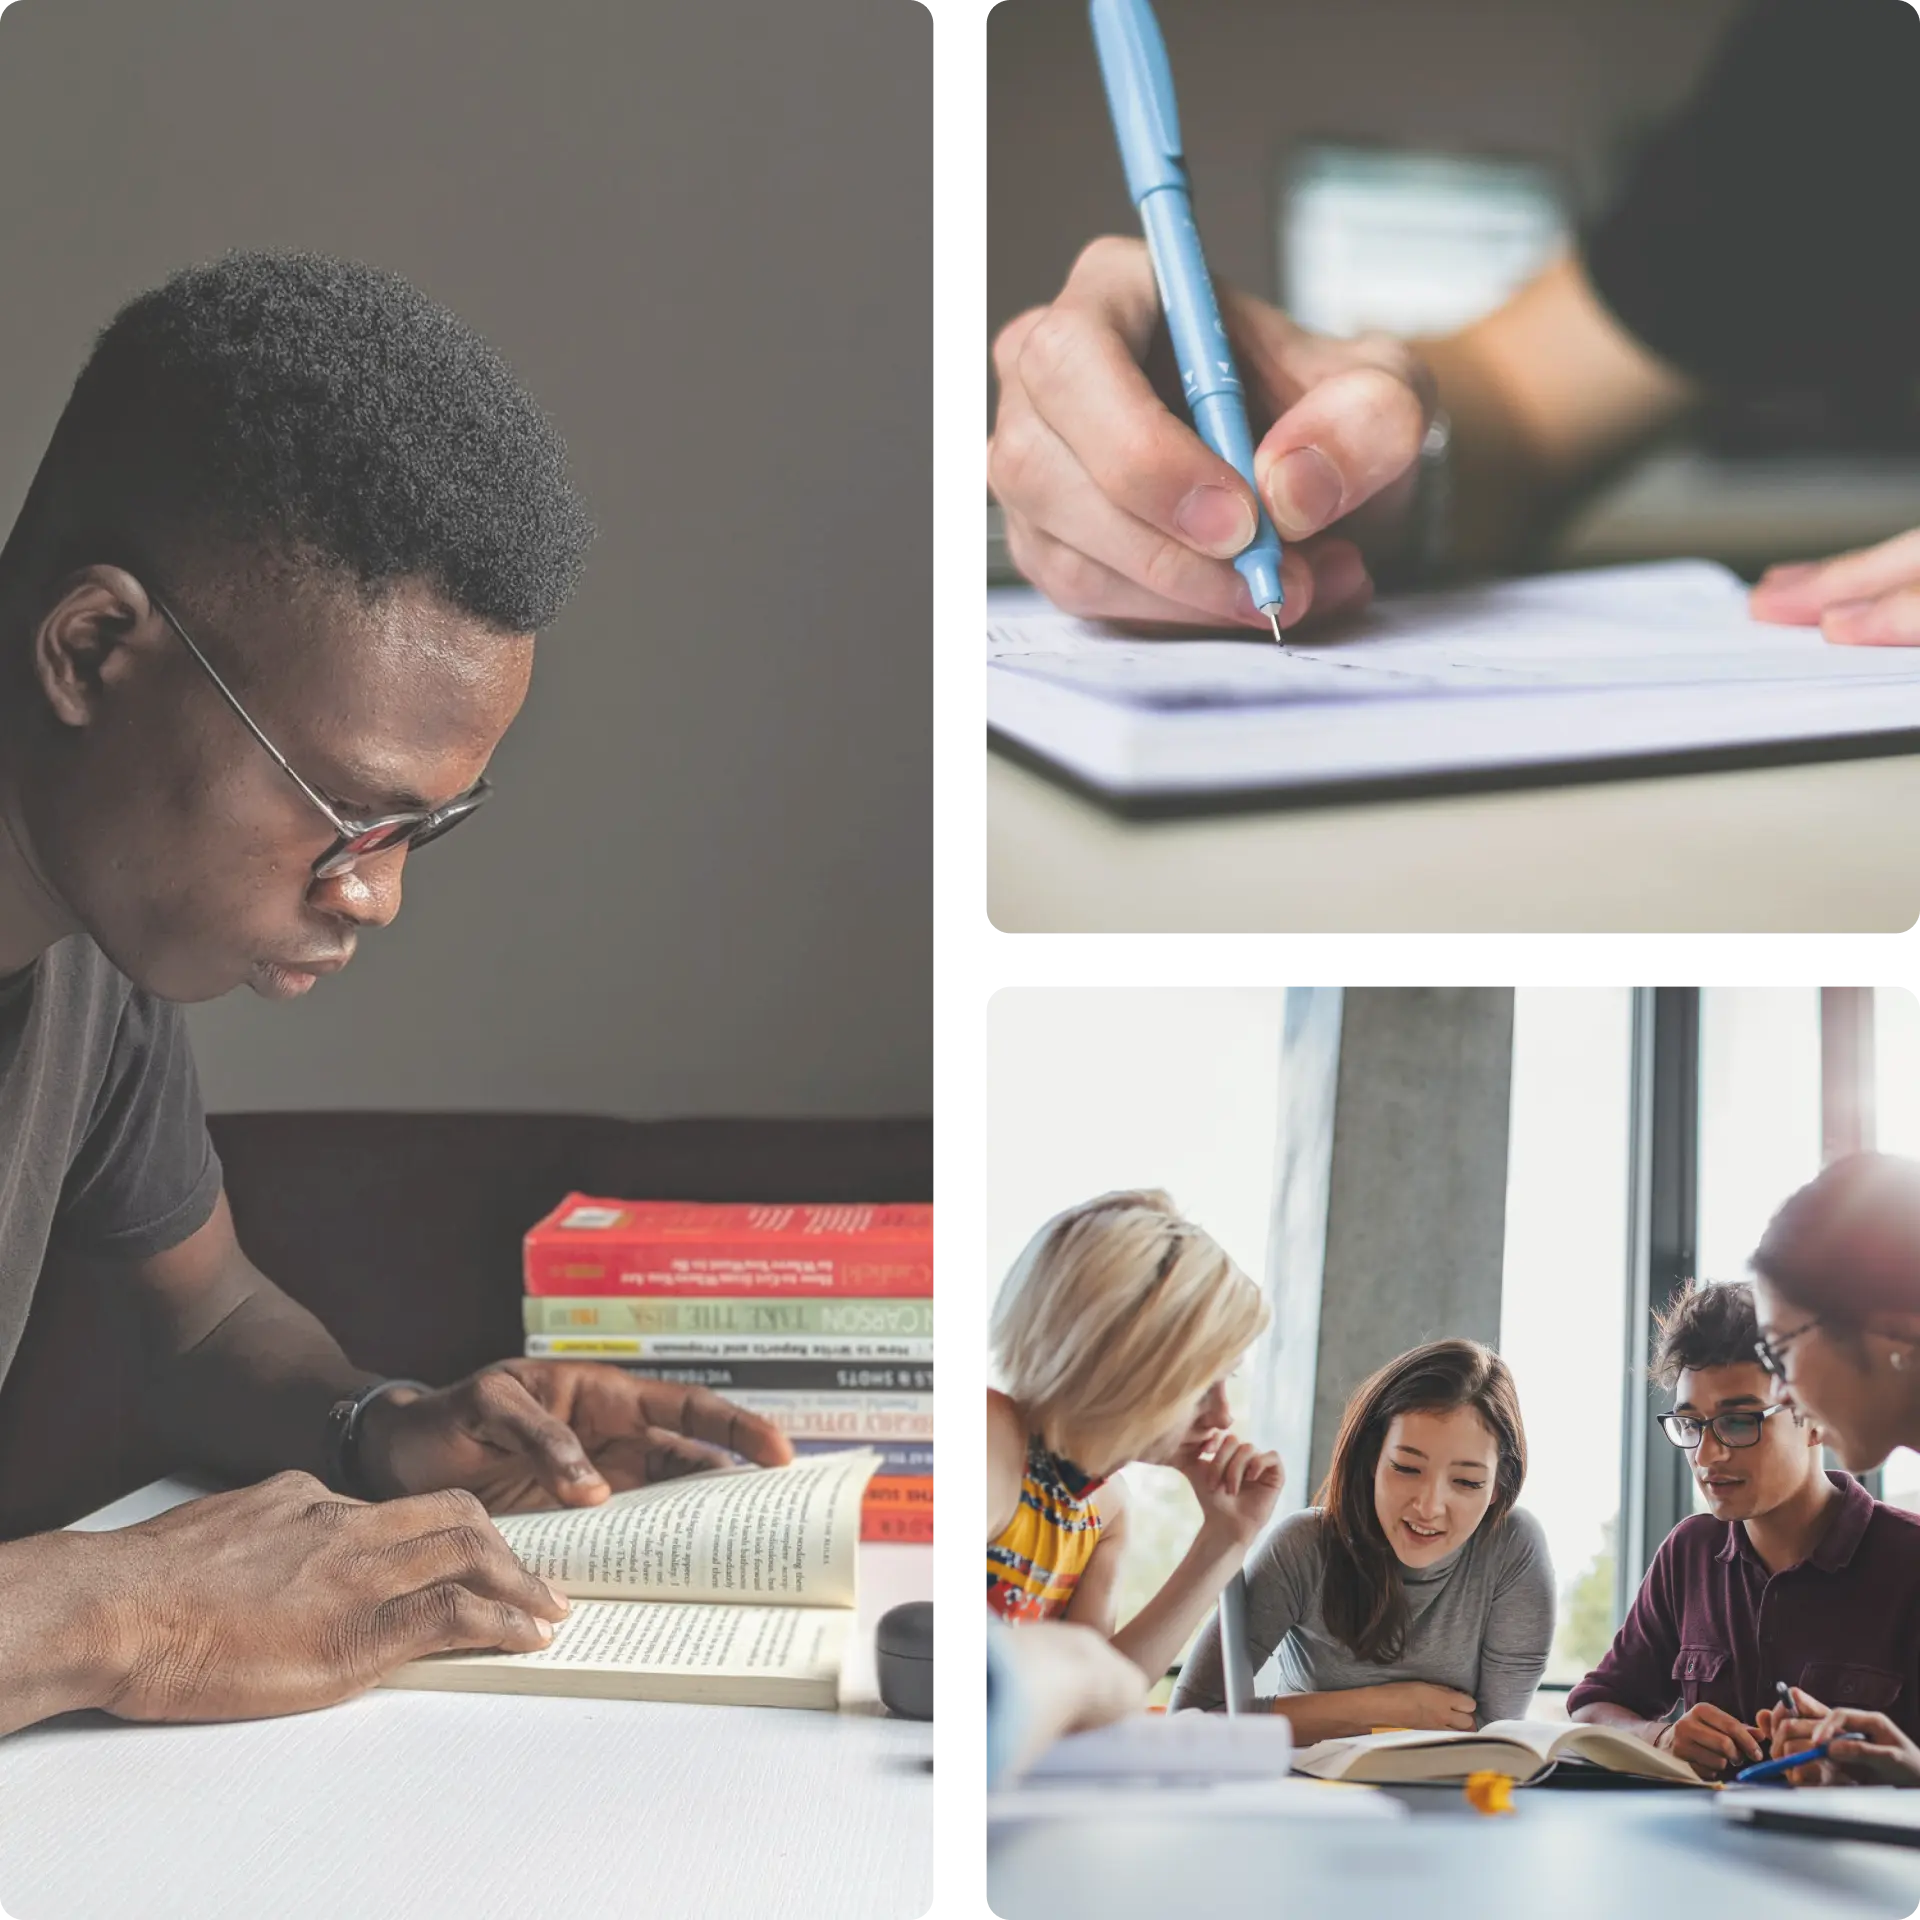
[[327, 411], [1707, 1326]]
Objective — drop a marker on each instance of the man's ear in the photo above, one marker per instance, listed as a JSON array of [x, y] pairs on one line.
[[1901, 1331], [89, 638]]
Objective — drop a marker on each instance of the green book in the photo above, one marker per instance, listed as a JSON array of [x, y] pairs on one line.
[[869, 1319]]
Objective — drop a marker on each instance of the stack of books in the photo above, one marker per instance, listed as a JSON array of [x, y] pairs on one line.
[[819, 1318]]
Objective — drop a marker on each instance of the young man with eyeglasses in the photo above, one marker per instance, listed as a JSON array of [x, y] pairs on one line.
[[267, 610], [1791, 1574]]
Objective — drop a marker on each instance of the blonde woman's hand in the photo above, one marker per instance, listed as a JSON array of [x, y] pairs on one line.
[[1236, 1484]]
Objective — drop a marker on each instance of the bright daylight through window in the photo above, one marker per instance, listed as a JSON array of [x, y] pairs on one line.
[[1179, 1090]]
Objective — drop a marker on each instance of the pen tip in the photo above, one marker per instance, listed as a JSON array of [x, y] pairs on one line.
[[1273, 619]]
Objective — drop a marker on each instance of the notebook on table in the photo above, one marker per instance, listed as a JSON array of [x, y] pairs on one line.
[[1618, 669], [1888, 1814]]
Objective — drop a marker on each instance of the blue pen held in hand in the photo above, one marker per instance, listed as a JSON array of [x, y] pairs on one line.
[[1146, 122], [1779, 1769]]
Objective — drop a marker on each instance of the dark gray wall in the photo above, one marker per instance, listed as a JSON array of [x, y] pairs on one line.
[[1549, 79], [701, 233]]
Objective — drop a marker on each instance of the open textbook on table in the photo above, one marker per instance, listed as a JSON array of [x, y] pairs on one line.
[[1514, 679], [1525, 1750], [735, 1588]]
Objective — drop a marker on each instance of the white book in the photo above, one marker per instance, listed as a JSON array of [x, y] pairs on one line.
[[1517, 677], [734, 1588], [1187, 1748], [1526, 1750]]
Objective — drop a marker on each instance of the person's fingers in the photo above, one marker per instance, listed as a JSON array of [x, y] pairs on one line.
[[1344, 440], [1078, 368], [697, 1414], [1325, 579], [1892, 620], [1268, 1470], [643, 1459], [1799, 595], [447, 1616], [506, 1415], [1045, 489], [477, 1558]]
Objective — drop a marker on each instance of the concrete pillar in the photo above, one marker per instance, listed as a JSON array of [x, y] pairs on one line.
[[1390, 1201]]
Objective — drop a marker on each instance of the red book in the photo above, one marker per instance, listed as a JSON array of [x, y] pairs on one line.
[[898, 1507], [678, 1247]]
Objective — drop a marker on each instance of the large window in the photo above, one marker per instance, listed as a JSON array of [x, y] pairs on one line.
[[1896, 1088], [1092, 1090], [1563, 1322], [1760, 1121]]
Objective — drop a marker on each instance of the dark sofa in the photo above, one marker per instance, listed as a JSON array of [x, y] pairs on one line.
[[402, 1232]]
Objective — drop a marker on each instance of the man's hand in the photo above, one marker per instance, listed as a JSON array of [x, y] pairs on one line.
[[1711, 1741], [1882, 1756], [1236, 1484], [540, 1433], [1870, 598], [1116, 509], [284, 1597]]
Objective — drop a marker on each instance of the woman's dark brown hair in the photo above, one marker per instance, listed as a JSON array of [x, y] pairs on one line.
[[1364, 1602]]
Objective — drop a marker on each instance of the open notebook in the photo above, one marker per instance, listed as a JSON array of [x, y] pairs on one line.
[[1533, 678]]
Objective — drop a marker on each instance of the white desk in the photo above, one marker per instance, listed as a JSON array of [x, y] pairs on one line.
[[1831, 847], [1568, 1855], [427, 1805]]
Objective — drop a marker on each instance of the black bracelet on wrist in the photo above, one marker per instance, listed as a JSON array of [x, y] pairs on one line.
[[343, 1435]]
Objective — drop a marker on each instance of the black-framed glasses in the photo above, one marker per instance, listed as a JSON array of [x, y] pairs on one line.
[[1770, 1351], [353, 840], [1738, 1429]]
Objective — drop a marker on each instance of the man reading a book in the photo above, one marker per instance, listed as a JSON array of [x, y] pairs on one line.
[[1792, 1574], [267, 610]]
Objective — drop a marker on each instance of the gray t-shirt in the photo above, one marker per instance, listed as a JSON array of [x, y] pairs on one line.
[[103, 1142], [1481, 1620]]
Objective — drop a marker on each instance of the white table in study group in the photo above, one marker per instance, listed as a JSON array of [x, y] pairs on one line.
[[445, 1804]]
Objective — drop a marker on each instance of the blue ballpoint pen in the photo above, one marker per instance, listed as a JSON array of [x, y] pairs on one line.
[[1778, 1769], [1146, 122]]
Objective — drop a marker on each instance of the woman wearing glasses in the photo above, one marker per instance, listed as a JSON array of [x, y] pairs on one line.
[[1837, 1294], [1790, 1575]]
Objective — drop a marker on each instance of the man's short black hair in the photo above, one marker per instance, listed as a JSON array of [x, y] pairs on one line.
[[1708, 1326], [330, 411]]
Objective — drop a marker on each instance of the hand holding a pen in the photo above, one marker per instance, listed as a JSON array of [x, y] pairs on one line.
[[1877, 1753], [1116, 508]]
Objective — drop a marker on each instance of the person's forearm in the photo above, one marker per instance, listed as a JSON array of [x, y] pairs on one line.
[[1326, 1716], [1610, 1713], [250, 1397], [1152, 1639], [1545, 397], [59, 1644]]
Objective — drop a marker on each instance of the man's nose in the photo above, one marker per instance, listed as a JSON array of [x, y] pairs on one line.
[[368, 894]]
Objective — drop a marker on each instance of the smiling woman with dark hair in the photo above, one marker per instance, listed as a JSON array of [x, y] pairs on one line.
[[1416, 1594]]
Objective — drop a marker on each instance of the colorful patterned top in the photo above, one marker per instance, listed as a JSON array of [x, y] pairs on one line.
[[1036, 1563]]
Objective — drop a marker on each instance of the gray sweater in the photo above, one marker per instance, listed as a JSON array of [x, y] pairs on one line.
[[1482, 1620]]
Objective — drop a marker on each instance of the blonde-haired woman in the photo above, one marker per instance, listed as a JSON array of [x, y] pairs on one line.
[[1113, 1335]]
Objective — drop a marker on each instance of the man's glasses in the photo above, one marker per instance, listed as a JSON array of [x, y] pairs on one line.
[[1770, 1352], [354, 840], [1730, 1429]]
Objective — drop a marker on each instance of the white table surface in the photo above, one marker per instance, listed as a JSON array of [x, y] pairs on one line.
[[426, 1805], [1828, 847]]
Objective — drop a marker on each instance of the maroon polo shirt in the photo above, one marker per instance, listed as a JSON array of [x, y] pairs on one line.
[[1711, 1623]]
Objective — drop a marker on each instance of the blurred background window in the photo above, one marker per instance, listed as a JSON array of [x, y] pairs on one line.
[[1410, 243], [1563, 1298], [1896, 1088], [1093, 1090]]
